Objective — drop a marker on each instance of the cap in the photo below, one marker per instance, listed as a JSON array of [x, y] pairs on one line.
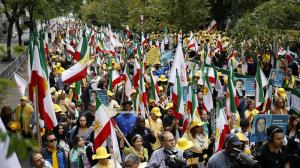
[[156, 111], [169, 105], [281, 92], [196, 123], [57, 108], [151, 100], [52, 89], [241, 137], [232, 139], [24, 98], [101, 153]]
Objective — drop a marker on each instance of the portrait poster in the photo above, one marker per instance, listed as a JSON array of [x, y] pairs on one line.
[[102, 95], [276, 77], [262, 121], [152, 56], [166, 56]]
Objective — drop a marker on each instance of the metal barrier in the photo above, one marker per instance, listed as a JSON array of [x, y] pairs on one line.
[[9, 69]]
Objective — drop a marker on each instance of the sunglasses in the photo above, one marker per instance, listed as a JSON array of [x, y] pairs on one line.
[[52, 140]]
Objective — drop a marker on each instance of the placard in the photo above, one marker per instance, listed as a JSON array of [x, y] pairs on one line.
[[262, 121], [102, 95], [152, 56], [276, 77], [166, 56]]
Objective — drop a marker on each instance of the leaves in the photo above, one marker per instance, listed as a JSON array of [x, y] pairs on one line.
[[17, 144]]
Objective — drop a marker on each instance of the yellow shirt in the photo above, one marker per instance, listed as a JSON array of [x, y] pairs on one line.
[[23, 116], [253, 112], [67, 101], [143, 153], [59, 70], [157, 128], [290, 83]]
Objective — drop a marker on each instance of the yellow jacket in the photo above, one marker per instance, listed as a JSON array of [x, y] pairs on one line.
[[23, 116]]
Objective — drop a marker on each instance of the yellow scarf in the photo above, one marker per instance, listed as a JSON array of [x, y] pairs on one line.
[[54, 158]]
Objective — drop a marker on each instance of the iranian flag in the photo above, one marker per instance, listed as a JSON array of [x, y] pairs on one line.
[[260, 83], [46, 46], [102, 125], [114, 79], [81, 48], [179, 66], [143, 100], [192, 103], [77, 93], [212, 25], [70, 50], [207, 96], [100, 47], [177, 98], [136, 74], [39, 86], [212, 75], [207, 55], [77, 71], [268, 101], [192, 43], [222, 128], [154, 88], [233, 98], [128, 81], [143, 40]]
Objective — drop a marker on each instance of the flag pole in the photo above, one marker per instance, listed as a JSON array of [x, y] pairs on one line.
[[37, 116], [118, 129]]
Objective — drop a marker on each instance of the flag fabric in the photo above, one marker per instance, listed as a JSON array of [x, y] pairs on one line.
[[115, 144], [21, 83], [114, 79], [143, 40], [178, 65], [136, 74], [39, 82], [154, 88], [192, 45], [260, 83], [219, 44], [177, 98], [100, 47], [77, 93], [128, 81], [77, 71], [212, 25], [102, 125], [268, 101], [222, 127], [81, 48], [46, 46], [234, 101], [143, 100], [207, 96]]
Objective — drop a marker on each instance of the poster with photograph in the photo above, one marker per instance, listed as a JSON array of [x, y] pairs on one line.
[[245, 86], [276, 77], [262, 121], [102, 95], [166, 56]]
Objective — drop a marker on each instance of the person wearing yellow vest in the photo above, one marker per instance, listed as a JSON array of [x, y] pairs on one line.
[[56, 156], [24, 115], [59, 70], [289, 80], [103, 161], [155, 125]]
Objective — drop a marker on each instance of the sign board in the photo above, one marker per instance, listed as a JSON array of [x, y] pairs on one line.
[[262, 121], [102, 95], [152, 56], [276, 77]]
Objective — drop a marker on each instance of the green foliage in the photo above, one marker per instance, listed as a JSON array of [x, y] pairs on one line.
[[267, 24], [18, 49], [6, 83], [186, 15], [17, 144]]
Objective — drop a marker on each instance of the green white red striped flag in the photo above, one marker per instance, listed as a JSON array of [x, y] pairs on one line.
[[260, 83]]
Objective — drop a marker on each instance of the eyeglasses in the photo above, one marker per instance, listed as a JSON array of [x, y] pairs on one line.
[[170, 140], [52, 140]]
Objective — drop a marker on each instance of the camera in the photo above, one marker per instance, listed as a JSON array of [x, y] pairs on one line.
[[172, 160], [242, 160]]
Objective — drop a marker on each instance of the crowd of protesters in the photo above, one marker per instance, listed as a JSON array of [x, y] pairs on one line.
[[157, 137]]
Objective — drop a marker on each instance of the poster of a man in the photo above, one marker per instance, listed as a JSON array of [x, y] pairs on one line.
[[240, 87]]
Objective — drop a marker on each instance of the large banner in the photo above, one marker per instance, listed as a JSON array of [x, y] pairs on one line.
[[102, 95]]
